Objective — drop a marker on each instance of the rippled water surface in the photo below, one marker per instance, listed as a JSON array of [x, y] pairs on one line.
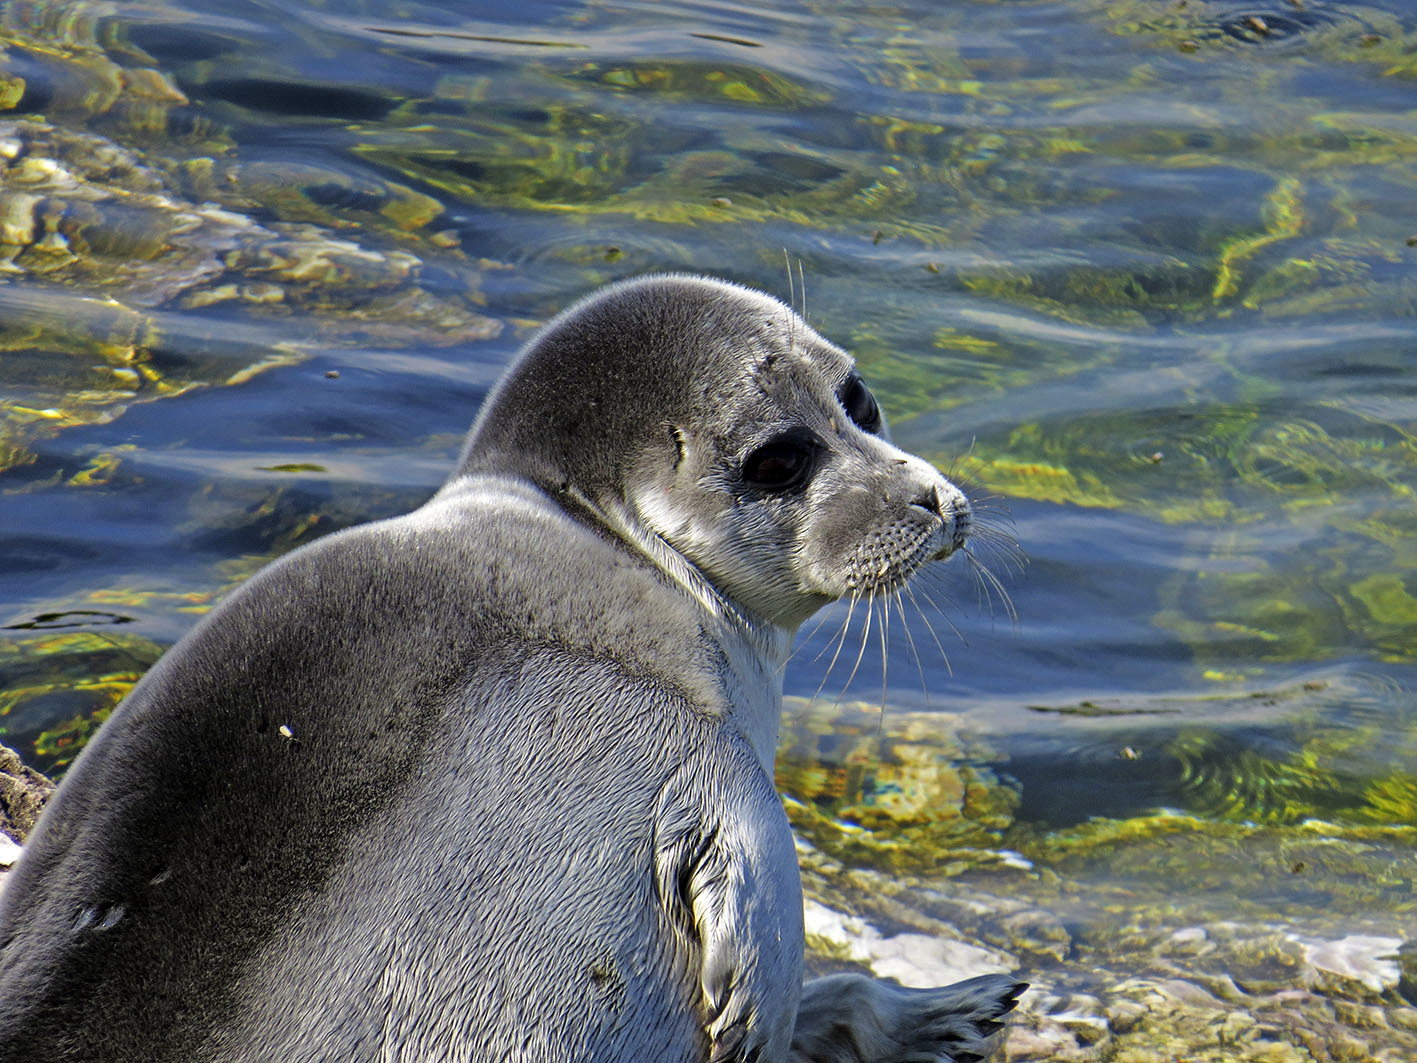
[[1142, 272]]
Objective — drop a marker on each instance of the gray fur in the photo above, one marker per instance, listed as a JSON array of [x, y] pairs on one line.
[[492, 780]]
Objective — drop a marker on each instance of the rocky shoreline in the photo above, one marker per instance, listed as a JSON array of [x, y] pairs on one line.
[[23, 793], [1223, 992]]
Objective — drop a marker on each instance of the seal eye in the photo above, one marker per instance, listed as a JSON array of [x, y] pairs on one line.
[[778, 465], [860, 404]]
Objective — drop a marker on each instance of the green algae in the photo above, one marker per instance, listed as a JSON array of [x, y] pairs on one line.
[[906, 791], [1387, 599], [75, 677], [1284, 219]]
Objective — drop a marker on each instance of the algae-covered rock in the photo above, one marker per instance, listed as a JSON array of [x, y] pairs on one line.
[[1148, 966], [910, 790], [1136, 978], [1249, 929], [111, 279], [60, 60], [80, 210], [23, 793], [61, 674]]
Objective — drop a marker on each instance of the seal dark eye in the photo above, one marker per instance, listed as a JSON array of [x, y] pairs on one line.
[[778, 465], [860, 404]]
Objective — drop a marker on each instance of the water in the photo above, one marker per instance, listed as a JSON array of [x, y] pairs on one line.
[[1138, 270]]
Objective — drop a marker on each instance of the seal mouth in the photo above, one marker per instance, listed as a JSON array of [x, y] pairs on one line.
[[891, 560], [937, 525]]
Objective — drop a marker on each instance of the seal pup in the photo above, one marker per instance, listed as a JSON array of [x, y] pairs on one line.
[[493, 780]]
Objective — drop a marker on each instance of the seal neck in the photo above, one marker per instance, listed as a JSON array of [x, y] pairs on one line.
[[767, 639]]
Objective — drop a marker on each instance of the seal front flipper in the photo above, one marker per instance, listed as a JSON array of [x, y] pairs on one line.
[[726, 876], [848, 1018]]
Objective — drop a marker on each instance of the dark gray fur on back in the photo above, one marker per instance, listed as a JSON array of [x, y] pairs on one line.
[[488, 781]]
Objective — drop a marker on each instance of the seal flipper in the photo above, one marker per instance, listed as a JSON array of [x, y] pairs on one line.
[[848, 1018], [726, 874]]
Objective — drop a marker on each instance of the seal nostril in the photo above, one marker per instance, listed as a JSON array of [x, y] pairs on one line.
[[929, 501]]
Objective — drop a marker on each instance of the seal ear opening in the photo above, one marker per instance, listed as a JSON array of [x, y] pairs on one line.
[[860, 405]]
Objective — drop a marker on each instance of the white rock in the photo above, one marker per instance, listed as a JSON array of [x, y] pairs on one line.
[[916, 960], [1367, 959]]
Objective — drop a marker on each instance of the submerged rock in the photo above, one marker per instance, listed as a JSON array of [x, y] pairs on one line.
[[1148, 939], [23, 794], [915, 790], [115, 287]]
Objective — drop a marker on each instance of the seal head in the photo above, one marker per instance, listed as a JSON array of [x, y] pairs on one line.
[[709, 425]]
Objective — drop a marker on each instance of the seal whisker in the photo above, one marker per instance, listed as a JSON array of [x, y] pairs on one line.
[[920, 586], [976, 560], [822, 619], [802, 288], [865, 636], [978, 493], [805, 640], [993, 505], [851, 606], [1000, 540], [1013, 563], [931, 628], [840, 642], [792, 296], [910, 641], [990, 585], [883, 632], [791, 287], [995, 523]]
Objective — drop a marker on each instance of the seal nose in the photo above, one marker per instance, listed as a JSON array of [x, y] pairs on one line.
[[948, 503]]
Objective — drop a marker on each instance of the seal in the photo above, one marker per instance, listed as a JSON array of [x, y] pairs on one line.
[[493, 780]]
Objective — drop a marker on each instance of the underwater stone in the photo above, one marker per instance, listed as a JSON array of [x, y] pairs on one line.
[[917, 960], [1342, 965]]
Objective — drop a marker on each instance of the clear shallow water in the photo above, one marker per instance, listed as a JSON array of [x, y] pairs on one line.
[[1140, 270]]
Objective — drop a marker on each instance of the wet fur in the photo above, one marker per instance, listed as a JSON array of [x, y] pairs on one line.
[[492, 780]]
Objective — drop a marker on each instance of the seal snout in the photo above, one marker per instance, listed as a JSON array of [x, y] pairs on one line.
[[948, 503]]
